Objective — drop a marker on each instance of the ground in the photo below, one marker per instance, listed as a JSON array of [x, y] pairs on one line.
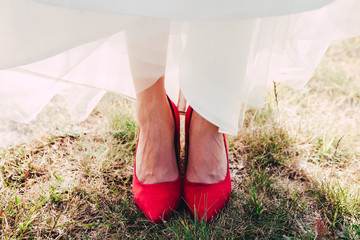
[[295, 169]]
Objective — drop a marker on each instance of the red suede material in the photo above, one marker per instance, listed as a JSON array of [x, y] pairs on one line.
[[205, 201], [159, 200]]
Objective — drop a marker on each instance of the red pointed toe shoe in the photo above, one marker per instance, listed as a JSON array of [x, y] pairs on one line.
[[205, 201], [159, 200]]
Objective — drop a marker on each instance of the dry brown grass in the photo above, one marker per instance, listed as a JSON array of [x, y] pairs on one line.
[[295, 170]]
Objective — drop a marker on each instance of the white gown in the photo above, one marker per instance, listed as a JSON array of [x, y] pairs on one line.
[[222, 54]]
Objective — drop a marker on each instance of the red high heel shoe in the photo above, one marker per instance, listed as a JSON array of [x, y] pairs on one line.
[[205, 201], [159, 200]]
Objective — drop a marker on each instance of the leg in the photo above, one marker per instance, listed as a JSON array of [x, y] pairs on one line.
[[213, 79], [207, 161], [206, 189], [147, 48], [155, 157]]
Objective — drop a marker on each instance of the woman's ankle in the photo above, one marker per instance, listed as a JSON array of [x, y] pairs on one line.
[[208, 162], [152, 104]]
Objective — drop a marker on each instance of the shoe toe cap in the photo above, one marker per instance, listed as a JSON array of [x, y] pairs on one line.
[[158, 202], [206, 202]]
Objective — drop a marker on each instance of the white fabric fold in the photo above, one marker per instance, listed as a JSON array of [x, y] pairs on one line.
[[223, 55]]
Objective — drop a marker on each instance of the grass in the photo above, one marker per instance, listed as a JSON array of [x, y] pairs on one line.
[[295, 170]]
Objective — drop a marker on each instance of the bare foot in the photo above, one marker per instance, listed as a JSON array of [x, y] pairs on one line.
[[155, 154], [207, 161]]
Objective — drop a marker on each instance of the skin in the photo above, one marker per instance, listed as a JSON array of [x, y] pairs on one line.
[[155, 157]]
